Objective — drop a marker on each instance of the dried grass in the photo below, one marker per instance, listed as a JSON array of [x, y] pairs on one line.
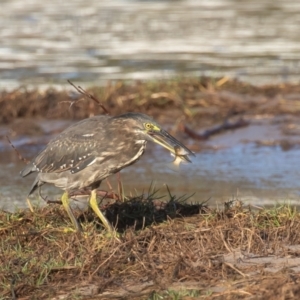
[[173, 257], [212, 99]]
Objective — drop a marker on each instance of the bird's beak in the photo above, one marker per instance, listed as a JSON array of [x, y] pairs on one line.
[[166, 140]]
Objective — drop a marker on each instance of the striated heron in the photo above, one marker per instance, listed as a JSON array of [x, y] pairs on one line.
[[89, 151]]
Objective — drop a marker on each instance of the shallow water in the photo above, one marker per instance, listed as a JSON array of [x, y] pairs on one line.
[[249, 164], [92, 41]]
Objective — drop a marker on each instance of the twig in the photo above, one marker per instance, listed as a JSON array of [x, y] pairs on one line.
[[83, 92], [17, 152], [71, 102], [235, 269], [110, 195], [114, 195], [112, 254], [215, 130], [225, 243], [231, 292], [12, 289]]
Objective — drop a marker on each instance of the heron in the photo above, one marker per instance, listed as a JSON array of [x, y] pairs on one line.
[[92, 149]]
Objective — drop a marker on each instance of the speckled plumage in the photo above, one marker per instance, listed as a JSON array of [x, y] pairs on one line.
[[87, 152], [91, 150]]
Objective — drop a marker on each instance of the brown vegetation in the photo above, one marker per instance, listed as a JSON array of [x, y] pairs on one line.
[[208, 254], [164, 251], [188, 98]]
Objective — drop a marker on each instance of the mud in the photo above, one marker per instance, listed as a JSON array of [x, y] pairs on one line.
[[239, 252], [256, 160]]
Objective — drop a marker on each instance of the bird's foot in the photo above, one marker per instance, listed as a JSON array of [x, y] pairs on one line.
[[66, 203]]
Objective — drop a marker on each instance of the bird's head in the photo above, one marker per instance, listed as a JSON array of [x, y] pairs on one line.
[[147, 129]]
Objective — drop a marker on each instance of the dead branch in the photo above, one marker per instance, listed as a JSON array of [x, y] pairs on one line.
[[215, 130], [83, 92], [17, 152]]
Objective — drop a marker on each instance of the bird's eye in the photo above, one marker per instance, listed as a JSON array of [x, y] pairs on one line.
[[148, 126]]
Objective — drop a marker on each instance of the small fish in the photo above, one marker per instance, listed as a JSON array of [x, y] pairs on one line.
[[180, 156]]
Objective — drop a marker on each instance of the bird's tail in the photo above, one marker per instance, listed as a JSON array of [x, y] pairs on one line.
[[36, 184], [27, 170], [30, 168]]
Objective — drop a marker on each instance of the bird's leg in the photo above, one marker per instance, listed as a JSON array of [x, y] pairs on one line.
[[96, 209], [66, 203]]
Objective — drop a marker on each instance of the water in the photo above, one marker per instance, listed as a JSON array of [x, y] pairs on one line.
[[230, 166], [92, 41]]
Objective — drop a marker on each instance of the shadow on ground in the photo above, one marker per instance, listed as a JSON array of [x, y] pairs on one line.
[[172, 251]]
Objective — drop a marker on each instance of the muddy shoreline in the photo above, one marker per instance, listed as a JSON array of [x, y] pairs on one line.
[[232, 126], [188, 104], [200, 100], [239, 252]]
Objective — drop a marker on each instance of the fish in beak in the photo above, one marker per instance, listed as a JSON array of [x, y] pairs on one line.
[[180, 156], [177, 149]]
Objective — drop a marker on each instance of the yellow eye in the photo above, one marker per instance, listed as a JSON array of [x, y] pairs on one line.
[[148, 126], [151, 127]]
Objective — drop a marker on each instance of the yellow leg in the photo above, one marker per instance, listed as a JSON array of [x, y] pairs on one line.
[[94, 206], [65, 201]]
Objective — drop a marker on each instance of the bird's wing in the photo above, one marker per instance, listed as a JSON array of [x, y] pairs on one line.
[[63, 155], [74, 149]]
